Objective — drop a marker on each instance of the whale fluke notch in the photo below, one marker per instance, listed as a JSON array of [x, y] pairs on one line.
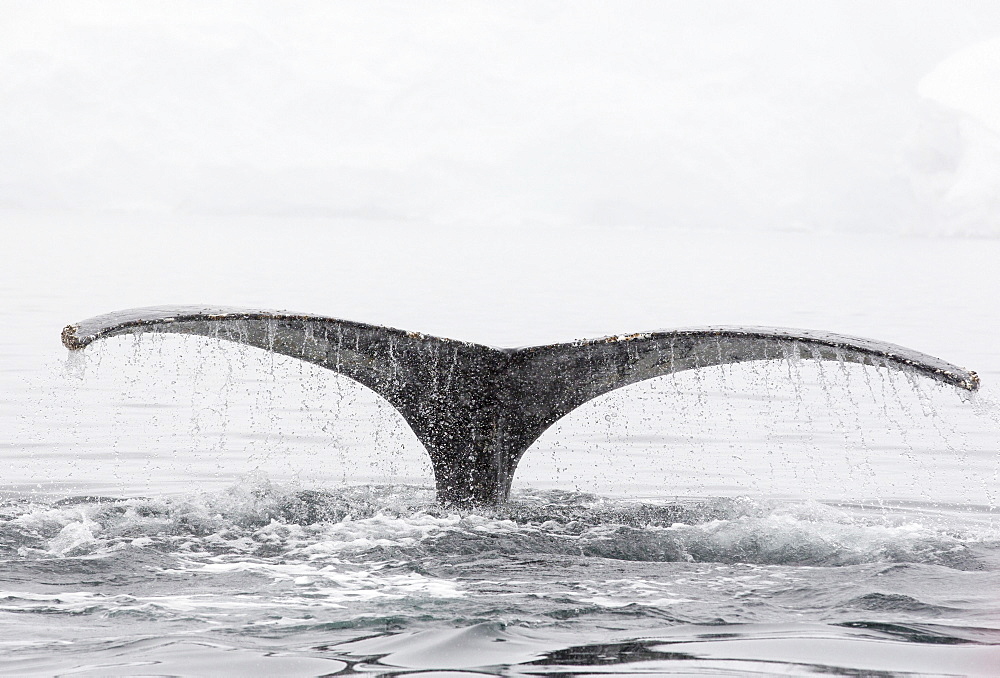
[[477, 409]]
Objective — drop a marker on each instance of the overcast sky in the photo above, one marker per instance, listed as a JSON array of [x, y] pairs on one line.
[[787, 115]]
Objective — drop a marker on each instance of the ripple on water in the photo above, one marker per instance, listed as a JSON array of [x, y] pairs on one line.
[[315, 568]]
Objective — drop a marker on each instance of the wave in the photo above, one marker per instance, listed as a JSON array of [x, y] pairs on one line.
[[385, 523]]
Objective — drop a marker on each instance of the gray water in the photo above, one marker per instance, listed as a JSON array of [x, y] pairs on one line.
[[179, 506], [265, 580]]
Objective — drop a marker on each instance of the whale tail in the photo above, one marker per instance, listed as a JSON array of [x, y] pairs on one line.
[[477, 409]]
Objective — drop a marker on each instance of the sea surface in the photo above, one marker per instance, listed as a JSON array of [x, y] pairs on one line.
[[181, 506]]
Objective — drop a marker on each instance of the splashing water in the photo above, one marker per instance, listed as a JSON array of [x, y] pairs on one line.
[[261, 562]]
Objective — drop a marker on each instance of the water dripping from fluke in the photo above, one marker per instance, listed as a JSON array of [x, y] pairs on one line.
[[477, 409]]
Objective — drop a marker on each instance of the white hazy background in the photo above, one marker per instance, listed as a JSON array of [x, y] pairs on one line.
[[854, 116], [504, 172]]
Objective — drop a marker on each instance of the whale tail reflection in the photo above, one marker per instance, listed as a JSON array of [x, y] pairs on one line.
[[477, 409]]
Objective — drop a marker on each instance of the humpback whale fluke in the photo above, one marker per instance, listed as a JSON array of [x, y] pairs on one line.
[[477, 409]]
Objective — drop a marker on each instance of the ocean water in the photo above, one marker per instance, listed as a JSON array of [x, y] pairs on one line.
[[179, 506]]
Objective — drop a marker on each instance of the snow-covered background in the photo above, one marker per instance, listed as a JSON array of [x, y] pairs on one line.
[[860, 116]]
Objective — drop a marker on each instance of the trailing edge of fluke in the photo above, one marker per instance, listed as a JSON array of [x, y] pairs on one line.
[[477, 409]]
